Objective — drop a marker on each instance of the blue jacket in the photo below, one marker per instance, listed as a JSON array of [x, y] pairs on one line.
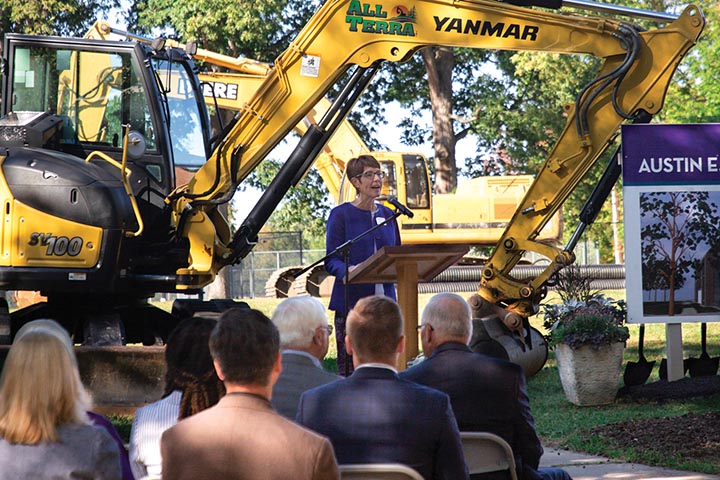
[[373, 416], [487, 394], [346, 222]]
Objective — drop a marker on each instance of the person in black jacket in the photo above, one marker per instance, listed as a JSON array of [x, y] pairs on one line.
[[487, 394]]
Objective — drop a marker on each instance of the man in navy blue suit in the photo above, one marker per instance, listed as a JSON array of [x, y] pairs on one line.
[[487, 393], [373, 416]]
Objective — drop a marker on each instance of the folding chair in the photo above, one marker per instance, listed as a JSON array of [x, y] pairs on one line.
[[486, 452], [378, 471]]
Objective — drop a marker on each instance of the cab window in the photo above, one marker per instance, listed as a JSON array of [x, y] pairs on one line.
[[95, 92], [416, 182]]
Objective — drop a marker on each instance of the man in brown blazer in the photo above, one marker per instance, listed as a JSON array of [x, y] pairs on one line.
[[242, 437]]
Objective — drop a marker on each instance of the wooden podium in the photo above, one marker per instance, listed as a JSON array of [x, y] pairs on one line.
[[407, 265]]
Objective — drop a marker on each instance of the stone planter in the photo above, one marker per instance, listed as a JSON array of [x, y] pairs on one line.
[[590, 376]]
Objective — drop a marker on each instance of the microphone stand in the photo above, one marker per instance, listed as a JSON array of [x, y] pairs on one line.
[[344, 249]]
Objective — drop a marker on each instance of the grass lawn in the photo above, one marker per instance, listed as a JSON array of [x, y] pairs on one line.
[[565, 425]]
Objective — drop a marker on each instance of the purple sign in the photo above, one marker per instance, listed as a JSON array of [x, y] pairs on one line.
[[660, 154]]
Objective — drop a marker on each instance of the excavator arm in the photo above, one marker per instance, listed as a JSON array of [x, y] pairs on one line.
[[438, 218], [342, 35], [231, 92]]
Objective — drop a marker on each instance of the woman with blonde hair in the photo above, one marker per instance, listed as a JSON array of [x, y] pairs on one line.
[[44, 428]]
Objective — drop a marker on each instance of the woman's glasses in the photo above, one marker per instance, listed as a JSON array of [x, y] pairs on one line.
[[371, 174]]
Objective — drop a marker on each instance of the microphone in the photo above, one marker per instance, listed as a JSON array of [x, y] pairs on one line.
[[392, 200]]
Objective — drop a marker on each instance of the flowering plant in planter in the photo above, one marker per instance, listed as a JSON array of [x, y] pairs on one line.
[[586, 332], [584, 316], [594, 321]]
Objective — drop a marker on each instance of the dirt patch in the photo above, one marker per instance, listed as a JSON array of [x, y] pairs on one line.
[[663, 390], [690, 437]]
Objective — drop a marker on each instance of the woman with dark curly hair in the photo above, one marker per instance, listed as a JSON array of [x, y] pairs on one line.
[[191, 385]]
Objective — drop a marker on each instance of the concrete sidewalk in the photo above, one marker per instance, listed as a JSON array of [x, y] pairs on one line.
[[582, 466]]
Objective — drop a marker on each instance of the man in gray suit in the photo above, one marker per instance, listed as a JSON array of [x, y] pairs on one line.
[[242, 437], [304, 340]]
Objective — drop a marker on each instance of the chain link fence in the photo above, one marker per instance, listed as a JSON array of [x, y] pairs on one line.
[[274, 251]]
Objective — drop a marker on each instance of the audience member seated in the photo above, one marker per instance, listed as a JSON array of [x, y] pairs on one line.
[[45, 432], [487, 394], [304, 340], [373, 416], [95, 418], [191, 385], [242, 437]]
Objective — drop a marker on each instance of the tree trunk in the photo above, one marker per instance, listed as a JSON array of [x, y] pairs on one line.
[[220, 287], [439, 63]]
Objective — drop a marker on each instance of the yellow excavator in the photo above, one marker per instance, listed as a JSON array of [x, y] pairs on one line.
[[438, 218], [100, 223]]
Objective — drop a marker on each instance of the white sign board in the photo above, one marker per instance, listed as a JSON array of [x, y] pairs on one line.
[[671, 193]]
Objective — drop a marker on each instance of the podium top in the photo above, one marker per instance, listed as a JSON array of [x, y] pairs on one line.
[[382, 266]]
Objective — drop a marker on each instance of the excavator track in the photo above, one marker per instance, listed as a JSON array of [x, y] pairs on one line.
[[280, 283], [458, 278], [285, 282]]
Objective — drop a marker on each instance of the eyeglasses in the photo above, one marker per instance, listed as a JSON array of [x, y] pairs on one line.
[[423, 325], [328, 329], [371, 174]]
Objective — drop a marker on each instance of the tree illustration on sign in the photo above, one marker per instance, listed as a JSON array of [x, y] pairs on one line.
[[675, 228], [651, 282]]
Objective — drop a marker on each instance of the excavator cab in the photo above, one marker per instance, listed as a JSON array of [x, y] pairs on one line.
[[406, 177], [92, 136], [97, 88]]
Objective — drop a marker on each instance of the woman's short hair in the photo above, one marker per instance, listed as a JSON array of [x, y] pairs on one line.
[[190, 368], [356, 166], [40, 388], [297, 318]]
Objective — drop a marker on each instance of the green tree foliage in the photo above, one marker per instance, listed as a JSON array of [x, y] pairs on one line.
[[694, 96], [304, 208], [520, 108], [259, 30], [520, 115], [51, 17]]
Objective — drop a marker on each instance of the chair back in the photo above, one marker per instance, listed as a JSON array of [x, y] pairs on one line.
[[486, 452], [378, 471]]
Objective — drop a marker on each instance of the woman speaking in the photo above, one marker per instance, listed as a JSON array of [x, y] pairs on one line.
[[346, 222]]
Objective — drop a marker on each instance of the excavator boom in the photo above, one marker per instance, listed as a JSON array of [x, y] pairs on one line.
[[636, 71]]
